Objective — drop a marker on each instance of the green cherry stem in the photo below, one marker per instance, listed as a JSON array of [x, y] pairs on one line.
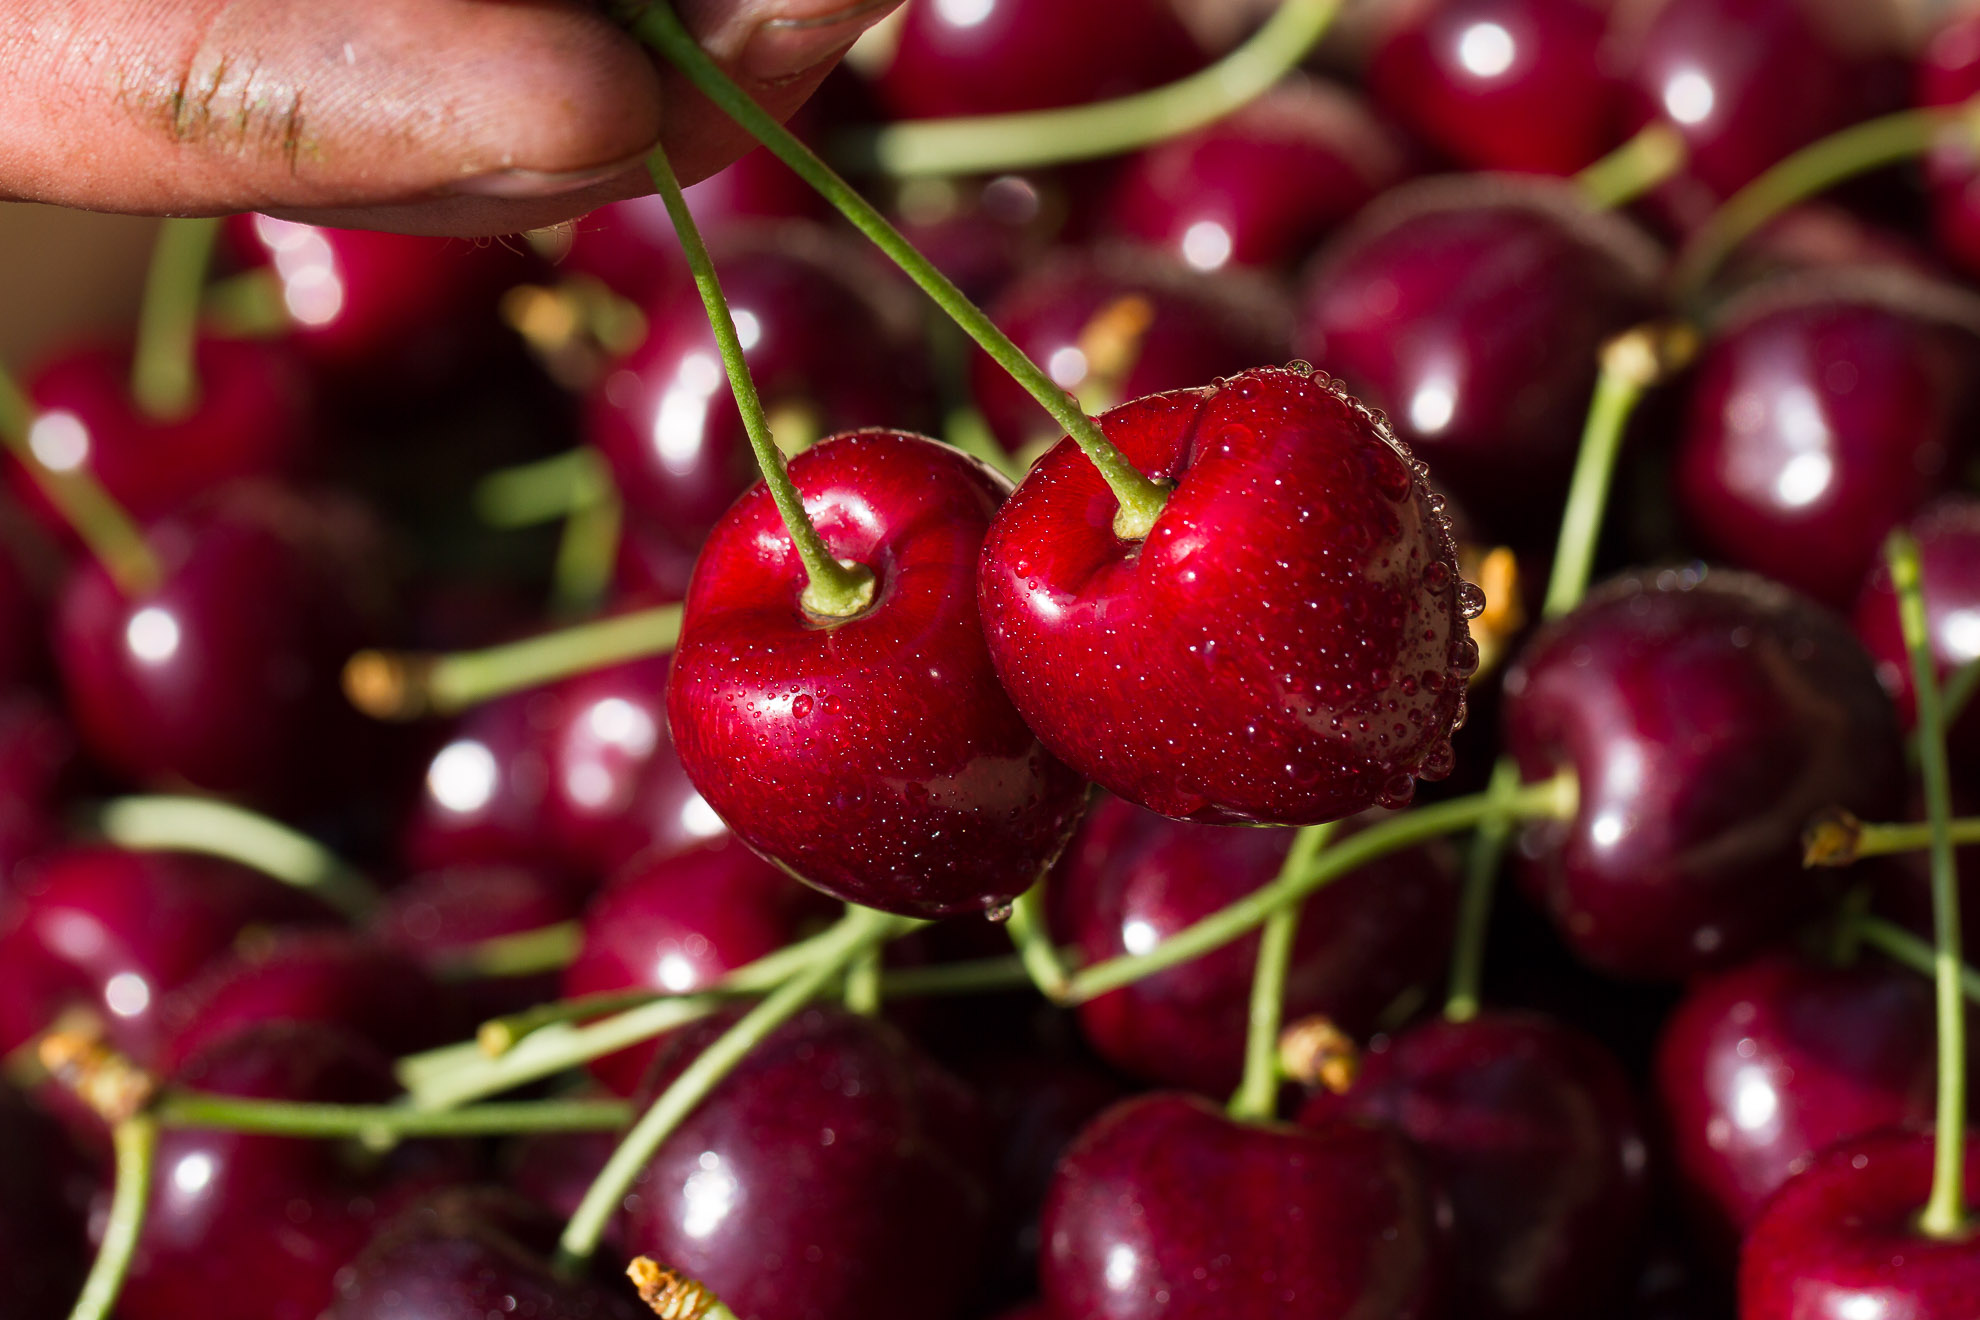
[[1257, 1096], [837, 590], [587, 553], [1550, 799], [1139, 498], [1033, 942], [1960, 688], [1905, 948], [221, 829], [383, 1125], [548, 489], [864, 986], [1945, 1211], [1838, 838], [405, 685], [136, 1143], [163, 381], [1481, 873], [989, 144], [525, 953], [861, 930], [1634, 168]]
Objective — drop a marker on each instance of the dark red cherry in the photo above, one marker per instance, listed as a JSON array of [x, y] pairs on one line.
[[886, 765], [1131, 323], [556, 1169], [115, 931], [483, 800], [985, 57], [1762, 1068], [1948, 533], [439, 917], [250, 418], [1261, 187], [223, 672], [1165, 1207], [1821, 416], [984, 235], [1133, 879], [1948, 73], [37, 758], [1473, 312], [1843, 1239], [1530, 1127], [469, 1253], [832, 344], [816, 1181], [1501, 84], [1288, 644], [1706, 717], [43, 1254], [1746, 82], [679, 922], [23, 632]]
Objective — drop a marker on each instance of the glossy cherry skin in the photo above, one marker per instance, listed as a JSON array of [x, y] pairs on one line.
[[1133, 879], [37, 758], [1473, 311], [818, 1181], [1165, 1207], [1706, 717], [250, 418], [1821, 418], [1530, 1127], [1762, 1068], [885, 764], [1286, 645], [1501, 84], [1844, 1237], [679, 922], [829, 339], [116, 931], [1948, 72], [43, 1254], [1261, 187], [1008, 55], [482, 801], [1198, 327], [1948, 534]]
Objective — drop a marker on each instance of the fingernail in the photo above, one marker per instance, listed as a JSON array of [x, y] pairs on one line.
[[783, 48], [514, 185]]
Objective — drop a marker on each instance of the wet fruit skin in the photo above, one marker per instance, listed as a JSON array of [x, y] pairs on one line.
[[1531, 1129], [1132, 879], [1948, 534], [1820, 418], [1286, 645], [1164, 1207], [1473, 311], [1842, 1239], [1762, 1068], [818, 1180], [875, 757], [1706, 717]]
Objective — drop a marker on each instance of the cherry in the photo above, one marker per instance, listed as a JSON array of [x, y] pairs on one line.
[[116, 931], [1262, 186], [1131, 322], [985, 57], [817, 1181], [1844, 1237], [482, 801], [1948, 73], [1288, 643], [676, 923], [250, 418], [556, 1169], [229, 665], [1473, 311], [984, 235], [437, 916], [37, 756], [831, 343], [1501, 84], [1765, 1066], [1531, 1129], [1707, 718], [42, 1255], [1133, 879], [1948, 534], [22, 630], [1821, 416], [886, 766], [1165, 1207]]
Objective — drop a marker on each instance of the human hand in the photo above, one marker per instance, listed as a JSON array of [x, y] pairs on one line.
[[466, 117]]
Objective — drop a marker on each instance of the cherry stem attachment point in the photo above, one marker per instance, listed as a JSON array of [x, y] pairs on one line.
[[381, 1126], [836, 589], [671, 1295], [405, 685], [1140, 499], [990, 144], [1257, 1096], [1653, 155], [164, 383], [221, 829], [1838, 838], [135, 1140], [1945, 1212]]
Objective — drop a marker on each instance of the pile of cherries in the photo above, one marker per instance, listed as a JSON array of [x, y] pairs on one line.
[[1349, 335]]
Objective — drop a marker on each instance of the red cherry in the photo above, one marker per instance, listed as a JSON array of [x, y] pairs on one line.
[[1288, 643], [1948, 73], [1844, 1237], [42, 1251], [437, 916], [885, 765], [1531, 1129], [1132, 879], [1762, 1068], [1707, 718], [482, 801], [23, 630], [37, 759], [1948, 534], [1165, 1207]]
